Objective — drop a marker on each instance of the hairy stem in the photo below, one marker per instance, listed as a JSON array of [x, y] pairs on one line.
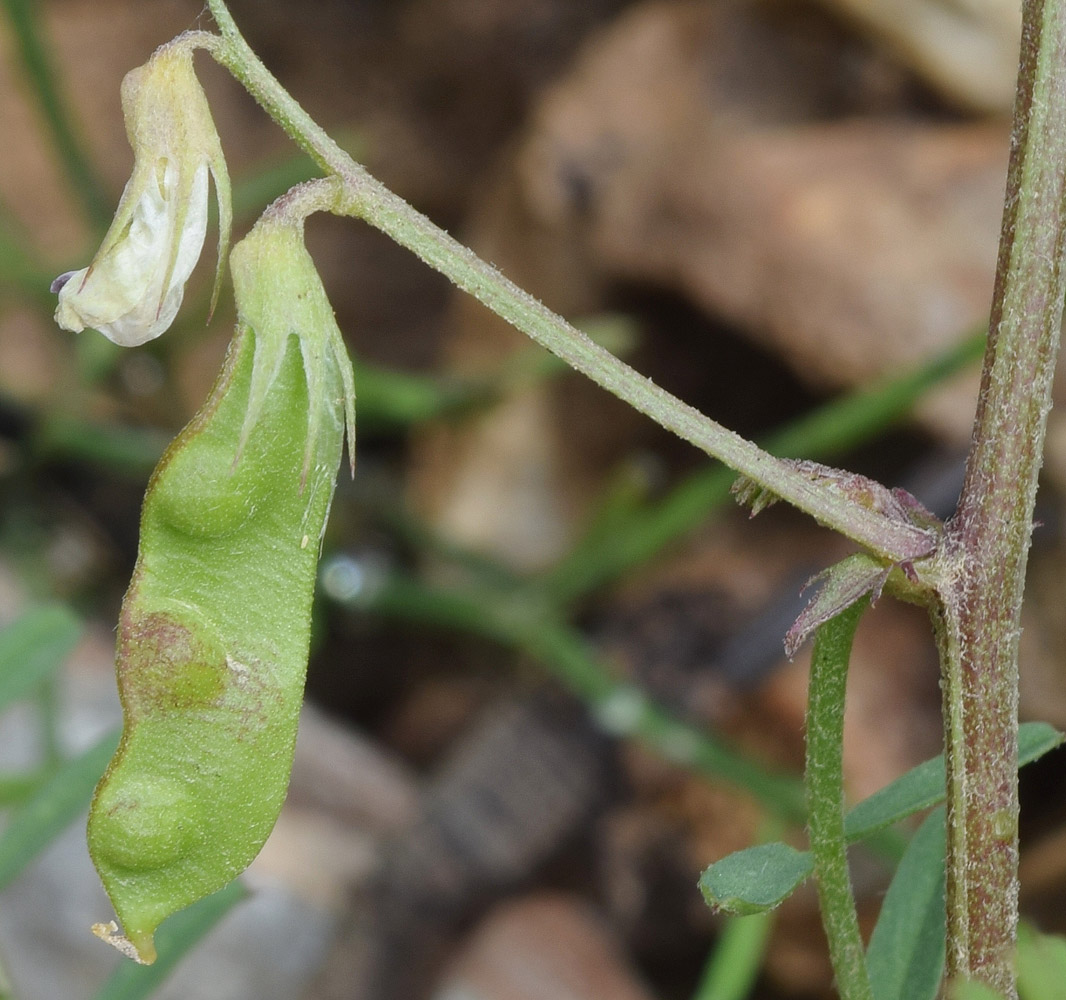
[[824, 777], [984, 557], [823, 434], [364, 197]]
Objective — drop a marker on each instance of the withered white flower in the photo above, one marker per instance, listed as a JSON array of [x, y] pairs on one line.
[[132, 289]]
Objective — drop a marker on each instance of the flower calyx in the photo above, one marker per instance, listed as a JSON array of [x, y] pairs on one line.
[[133, 288], [279, 294]]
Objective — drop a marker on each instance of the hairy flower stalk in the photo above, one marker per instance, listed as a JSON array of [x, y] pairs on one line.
[[133, 288]]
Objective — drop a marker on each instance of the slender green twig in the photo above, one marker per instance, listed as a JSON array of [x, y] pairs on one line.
[[824, 777], [983, 561], [22, 15], [364, 197]]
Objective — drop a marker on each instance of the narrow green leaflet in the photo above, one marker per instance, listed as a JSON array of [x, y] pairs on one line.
[[762, 877], [52, 808], [176, 938], [756, 879], [923, 787], [33, 647], [974, 991], [905, 956]]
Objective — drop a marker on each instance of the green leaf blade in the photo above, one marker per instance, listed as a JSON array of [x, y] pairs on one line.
[[923, 786], [755, 880], [906, 952], [762, 877], [1041, 965], [974, 991]]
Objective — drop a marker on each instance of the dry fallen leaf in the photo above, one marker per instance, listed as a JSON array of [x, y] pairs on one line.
[[852, 247], [967, 49]]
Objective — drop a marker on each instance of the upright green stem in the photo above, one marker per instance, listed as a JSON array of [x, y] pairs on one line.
[[824, 777], [984, 557], [364, 197]]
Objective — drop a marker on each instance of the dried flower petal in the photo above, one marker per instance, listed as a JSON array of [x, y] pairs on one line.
[[132, 290]]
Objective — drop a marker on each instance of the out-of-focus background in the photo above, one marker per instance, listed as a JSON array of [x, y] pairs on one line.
[[766, 206]]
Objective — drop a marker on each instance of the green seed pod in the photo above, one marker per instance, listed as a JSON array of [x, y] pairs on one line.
[[214, 630]]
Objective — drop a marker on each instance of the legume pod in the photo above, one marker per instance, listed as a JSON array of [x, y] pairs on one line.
[[214, 629]]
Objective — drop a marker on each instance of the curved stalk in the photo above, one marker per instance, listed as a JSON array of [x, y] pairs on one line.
[[824, 778], [364, 197]]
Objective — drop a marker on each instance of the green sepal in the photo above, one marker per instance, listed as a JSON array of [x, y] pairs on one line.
[[280, 295]]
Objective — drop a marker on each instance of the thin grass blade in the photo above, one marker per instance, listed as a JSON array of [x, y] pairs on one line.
[[905, 956], [32, 648]]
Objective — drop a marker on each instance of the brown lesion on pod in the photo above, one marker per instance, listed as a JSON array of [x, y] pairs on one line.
[[165, 663]]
